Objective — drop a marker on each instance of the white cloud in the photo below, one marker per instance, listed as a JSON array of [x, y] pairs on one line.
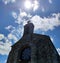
[[12, 37], [8, 1], [22, 14], [19, 20], [10, 28], [29, 15], [1, 36], [46, 24], [14, 15], [58, 49], [16, 33], [35, 5], [50, 1], [5, 47]]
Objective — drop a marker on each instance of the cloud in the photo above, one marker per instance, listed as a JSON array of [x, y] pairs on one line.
[[22, 14], [15, 32], [5, 46], [58, 49], [46, 23], [43, 24], [10, 28], [8, 1], [1, 36], [35, 5], [14, 14], [50, 1], [21, 17], [12, 37]]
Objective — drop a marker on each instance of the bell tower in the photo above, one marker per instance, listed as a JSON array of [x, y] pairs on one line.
[[33, 48]]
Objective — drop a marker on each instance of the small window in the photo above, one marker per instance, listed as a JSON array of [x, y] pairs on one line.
[[25, 54]]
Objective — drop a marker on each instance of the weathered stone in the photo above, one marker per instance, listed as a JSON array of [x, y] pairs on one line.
[[42, 50]]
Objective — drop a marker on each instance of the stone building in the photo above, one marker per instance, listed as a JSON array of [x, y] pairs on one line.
[[33, 48]]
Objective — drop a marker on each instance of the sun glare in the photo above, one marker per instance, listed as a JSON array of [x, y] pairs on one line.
[[28, 4], [31, 5]]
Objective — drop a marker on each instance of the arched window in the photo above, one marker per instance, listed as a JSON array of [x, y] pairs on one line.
[[25, 54]]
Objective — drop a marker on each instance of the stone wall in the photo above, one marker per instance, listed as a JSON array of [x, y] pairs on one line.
[[42, 50]]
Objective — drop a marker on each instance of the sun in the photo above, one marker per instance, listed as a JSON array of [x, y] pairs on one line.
[[28, 4]]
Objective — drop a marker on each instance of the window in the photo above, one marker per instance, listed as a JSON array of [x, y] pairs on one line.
[[26, 54]]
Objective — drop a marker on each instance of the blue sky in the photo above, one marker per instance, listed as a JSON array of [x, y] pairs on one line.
[[44, 14]]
